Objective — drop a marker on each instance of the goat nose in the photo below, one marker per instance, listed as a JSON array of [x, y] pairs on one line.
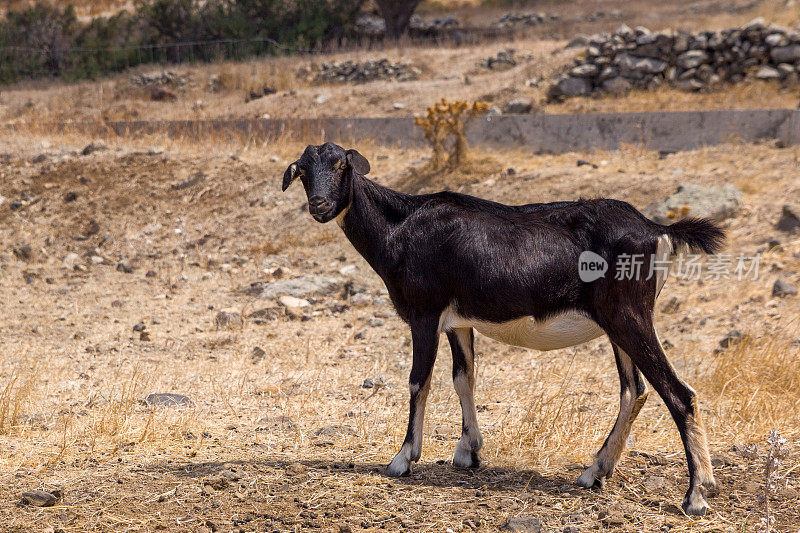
[[317, 204]]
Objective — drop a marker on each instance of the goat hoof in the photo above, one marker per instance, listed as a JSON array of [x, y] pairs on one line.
[[390, 472], [587, 480], [466, 459], [399, 467], [694, 505]]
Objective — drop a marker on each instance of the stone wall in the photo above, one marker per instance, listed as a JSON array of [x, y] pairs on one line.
[[639, 58], [540, 132]]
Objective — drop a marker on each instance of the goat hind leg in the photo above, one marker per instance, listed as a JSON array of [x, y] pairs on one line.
[[646, 353], [633, 393], [462, 344]]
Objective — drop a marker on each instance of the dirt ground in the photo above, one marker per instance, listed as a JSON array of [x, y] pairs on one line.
[[160, 240]]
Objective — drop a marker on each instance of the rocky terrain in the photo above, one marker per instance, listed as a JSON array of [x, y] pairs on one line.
[[367, 79], [638, 58], [382, 69], [186, 349]]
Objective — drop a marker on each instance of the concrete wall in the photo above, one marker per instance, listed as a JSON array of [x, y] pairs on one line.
[[683, 130]]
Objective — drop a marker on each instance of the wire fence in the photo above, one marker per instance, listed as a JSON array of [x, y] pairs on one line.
[[71, 63]]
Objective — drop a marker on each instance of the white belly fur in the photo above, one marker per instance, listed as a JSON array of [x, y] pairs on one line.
[[567, 329], [560, 331]]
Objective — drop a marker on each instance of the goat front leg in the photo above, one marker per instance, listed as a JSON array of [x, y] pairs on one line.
[[425, 340], [462, 344]]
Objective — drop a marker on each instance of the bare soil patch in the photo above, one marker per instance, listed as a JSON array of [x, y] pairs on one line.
[[287, 437]]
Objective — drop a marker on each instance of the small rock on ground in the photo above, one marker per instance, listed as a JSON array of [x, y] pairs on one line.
[[40, 498], [527, 524], [790, 219], [258, 354], [92, 148], [290, 302], [782, 288], [717, 202], [228, 319], [518, 106], [166, 399], [371, 383], [301, 287], [655, 483], [734, 337]]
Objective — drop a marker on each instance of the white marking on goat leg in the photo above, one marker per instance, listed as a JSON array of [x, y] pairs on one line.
[[664, 251], [698, 447], [466, 454], [703, 483], [629, 407], [411, 451]]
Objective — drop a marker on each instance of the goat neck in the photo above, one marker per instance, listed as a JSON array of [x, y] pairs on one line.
[[368, 222]]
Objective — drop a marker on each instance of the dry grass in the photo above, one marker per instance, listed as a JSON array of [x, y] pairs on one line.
[[75, 374]]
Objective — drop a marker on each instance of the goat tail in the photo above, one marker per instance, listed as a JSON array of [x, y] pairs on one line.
[[699, 234]]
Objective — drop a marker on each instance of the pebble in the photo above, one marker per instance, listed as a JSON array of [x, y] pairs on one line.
[[290, 302], [790, 219], [655, 483], [348, 270], [258, 354], [734, 337], [70, 260], [125, 266], [360, 300], [40, 498], [228, 319], [168, 399], [782, 288], [371, 383], [525, 524]]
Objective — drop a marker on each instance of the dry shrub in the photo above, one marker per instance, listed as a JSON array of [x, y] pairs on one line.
[[451, 164], [446, 120], [753, 386]]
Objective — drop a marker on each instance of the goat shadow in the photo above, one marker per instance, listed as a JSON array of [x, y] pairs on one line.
[[488, 480], [438, 474]]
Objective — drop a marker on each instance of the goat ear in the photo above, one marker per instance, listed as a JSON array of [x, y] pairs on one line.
[[358, 162], [290, 175]]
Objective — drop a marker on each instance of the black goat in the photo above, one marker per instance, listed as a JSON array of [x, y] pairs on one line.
[[452, 262]]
